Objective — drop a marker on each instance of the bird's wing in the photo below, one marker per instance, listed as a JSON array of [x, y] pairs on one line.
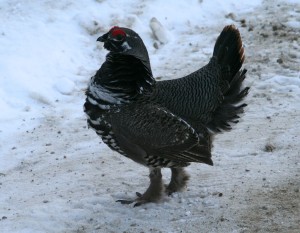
[[160, 133]]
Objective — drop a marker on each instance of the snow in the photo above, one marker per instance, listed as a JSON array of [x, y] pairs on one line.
[[55, 176]]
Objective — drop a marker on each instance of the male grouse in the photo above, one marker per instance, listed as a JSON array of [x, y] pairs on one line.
[[166, 123]]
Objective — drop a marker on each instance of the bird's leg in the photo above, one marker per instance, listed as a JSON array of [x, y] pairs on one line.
[[153, 193], [178, 181], [155, 190]]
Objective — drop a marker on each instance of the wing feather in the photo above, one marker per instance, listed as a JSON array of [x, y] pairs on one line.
[[162, 134]]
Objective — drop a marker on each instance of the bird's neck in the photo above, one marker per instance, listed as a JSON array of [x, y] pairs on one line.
[[120, 80]]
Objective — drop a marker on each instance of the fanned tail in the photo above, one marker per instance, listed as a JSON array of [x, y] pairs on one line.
[[229, 53]]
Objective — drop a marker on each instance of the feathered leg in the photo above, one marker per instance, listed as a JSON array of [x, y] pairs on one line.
[[178, 181], [154, 191]]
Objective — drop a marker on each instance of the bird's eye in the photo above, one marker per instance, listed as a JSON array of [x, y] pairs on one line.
[[118, 34], [119, 37]]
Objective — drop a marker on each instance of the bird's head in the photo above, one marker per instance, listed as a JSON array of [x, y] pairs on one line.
[[126, 42], [116, 39]]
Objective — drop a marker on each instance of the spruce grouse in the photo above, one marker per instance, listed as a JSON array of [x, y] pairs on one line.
[[164, 123]]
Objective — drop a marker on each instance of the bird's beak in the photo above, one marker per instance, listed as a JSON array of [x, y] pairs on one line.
[[103, 38]]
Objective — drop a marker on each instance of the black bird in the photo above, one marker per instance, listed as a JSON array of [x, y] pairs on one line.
[[166, 123]]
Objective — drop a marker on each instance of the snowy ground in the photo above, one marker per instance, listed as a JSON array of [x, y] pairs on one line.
[[56, 177]]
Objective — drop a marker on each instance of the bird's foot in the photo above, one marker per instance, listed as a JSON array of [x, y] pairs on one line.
[[138, 201], [152, 194], [141, 199]]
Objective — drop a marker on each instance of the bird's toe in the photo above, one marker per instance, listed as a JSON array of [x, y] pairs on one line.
[[125, 202]]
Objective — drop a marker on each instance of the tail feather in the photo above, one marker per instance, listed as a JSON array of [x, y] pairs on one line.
[[234, 94], [230, 55], [229, 51], [228, 112]]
